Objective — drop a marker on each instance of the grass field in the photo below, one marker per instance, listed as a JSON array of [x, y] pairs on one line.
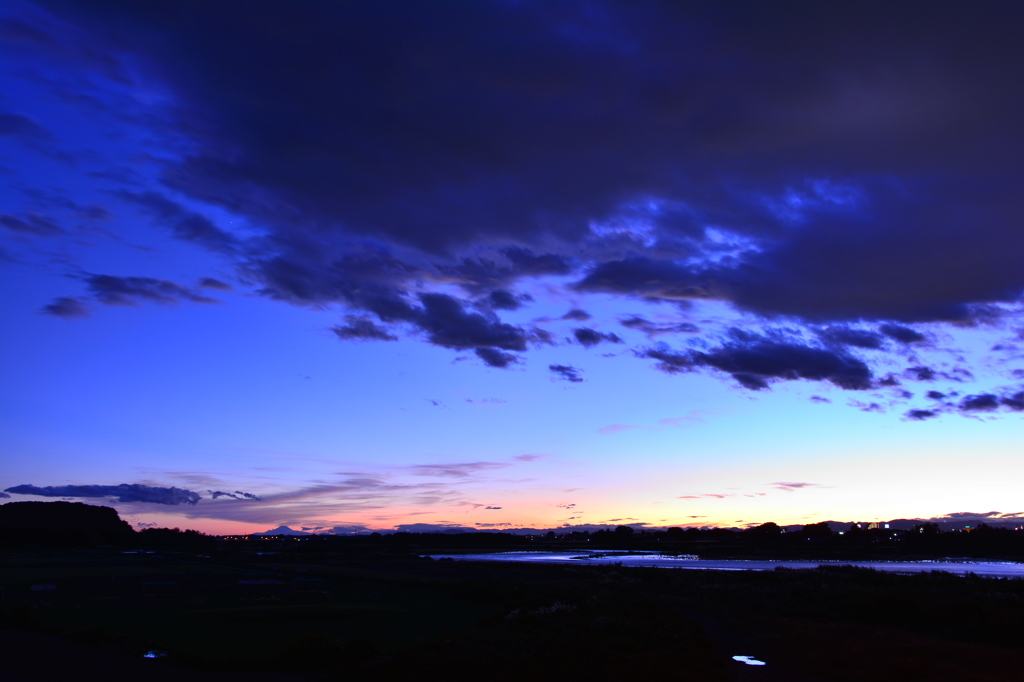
[[391, 617]]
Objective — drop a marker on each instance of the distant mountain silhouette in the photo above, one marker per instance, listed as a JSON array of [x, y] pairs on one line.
[[62, 524], [282, 530]]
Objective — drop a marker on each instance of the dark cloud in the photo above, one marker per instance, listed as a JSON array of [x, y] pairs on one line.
[[32, 223], [935, 395], [501, 299], [182, 223], [588, 126], [447, 323], [922, 373], [237, 495], [4, 496], [755, 360], [576, 314], [819, 399], [1014, 402], [211, 283], [567, 372], [492, 507], [590, 337], [501, 267], [848, 336], [65, 307], [920, 415], [670, 361], [127, 291], [111, 290], [538, 335], [792, 161], [527, 262], [362, 327], [17, 125], [125, 492], [901, 334], [985, 402], [647, 278], [493, 357], [652, 329]]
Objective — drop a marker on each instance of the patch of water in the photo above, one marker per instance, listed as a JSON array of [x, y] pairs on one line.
[[1000, 569]]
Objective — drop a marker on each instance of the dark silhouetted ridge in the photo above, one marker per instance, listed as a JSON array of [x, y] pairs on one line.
[[62, 524]]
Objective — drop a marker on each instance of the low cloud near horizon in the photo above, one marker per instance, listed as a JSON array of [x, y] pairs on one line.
[[125, 492]]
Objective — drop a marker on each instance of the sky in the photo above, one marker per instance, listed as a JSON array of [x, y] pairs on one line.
[[354, 266]]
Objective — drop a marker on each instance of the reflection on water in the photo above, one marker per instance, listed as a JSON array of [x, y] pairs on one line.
[[987, 568], [749, 660]]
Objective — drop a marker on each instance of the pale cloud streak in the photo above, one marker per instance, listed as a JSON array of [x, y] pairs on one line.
[[686, 421]]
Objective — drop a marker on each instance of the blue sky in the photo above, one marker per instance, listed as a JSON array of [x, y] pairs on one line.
[[511, 266]]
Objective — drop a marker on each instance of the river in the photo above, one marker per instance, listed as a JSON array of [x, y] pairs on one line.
[[998, 569]]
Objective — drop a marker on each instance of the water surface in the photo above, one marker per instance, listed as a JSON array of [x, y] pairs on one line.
[[998, 569]]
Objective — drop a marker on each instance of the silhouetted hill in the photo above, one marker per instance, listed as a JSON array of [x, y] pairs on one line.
[[175, 538], [62, 524]]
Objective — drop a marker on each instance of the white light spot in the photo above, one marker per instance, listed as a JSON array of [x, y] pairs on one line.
[[749, 660]]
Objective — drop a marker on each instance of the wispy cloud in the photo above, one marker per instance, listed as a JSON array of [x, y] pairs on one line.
[[431, 485], [792, 486], [567, 373], [692, 419], [619, 428], [237, 495], [459, 470], [527, 458]]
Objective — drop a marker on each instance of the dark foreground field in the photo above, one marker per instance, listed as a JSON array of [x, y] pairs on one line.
[[243, 616]]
